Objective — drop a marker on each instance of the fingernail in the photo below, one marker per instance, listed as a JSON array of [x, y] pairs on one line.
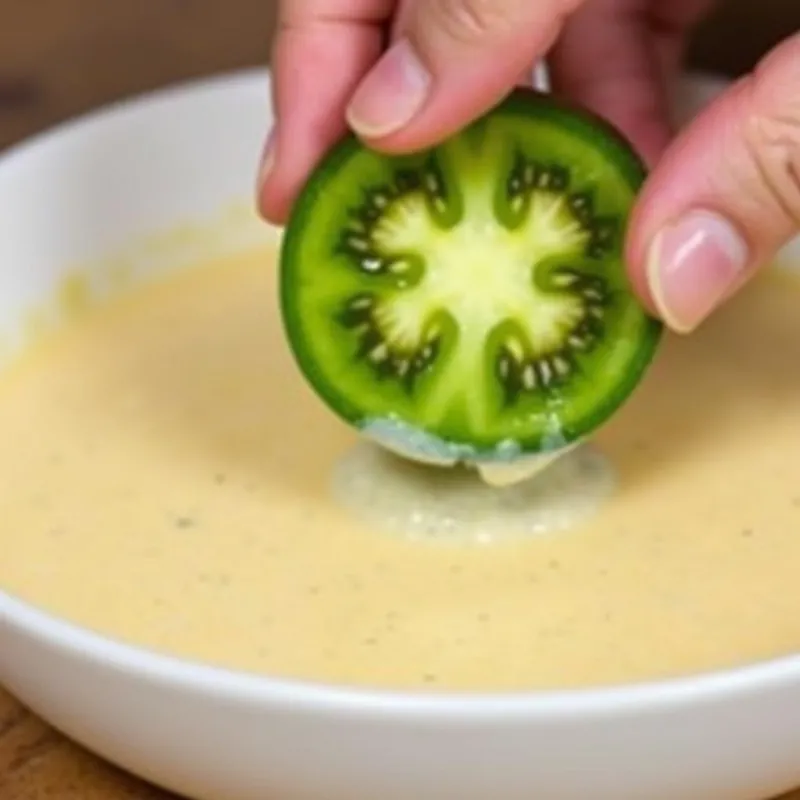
[[391, 94], [692, 266], [267, 161]]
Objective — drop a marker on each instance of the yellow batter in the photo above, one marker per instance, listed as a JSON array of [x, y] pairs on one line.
[[167, 480]]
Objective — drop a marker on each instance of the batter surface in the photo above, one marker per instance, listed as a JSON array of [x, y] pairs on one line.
[[169, 480]]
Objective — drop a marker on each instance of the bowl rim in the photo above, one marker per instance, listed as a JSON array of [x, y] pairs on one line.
[[240, 686]]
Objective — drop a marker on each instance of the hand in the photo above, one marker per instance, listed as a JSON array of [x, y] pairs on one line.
[[722, 198], [450, 60]]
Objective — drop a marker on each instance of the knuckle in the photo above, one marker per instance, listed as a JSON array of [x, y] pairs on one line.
[[470, 21], [772, 139]]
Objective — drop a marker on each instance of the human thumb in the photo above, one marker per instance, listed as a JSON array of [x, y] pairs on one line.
[[724, 198], [450, 60]]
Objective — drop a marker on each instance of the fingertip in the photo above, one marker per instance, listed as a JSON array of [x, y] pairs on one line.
[[693, 265], [391, 94], [316, 69], [266, 204], [443, 115], [275, 194], [682, 180], [272, 210], [445, 69]]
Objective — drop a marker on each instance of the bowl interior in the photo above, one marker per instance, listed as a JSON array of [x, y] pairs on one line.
[[159, 184]]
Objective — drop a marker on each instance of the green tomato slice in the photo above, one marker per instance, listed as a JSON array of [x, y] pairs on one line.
[[469, 302]]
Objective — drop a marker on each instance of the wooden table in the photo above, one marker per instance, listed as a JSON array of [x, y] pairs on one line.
[[59, 58], [62, 57], [36, 763]]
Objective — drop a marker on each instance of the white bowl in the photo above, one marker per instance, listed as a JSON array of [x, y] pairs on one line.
[[85, 191]]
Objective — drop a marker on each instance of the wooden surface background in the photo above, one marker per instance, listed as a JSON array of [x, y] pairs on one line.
[[59, 58]]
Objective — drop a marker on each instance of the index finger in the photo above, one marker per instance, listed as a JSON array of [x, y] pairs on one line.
[[322, 50]]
